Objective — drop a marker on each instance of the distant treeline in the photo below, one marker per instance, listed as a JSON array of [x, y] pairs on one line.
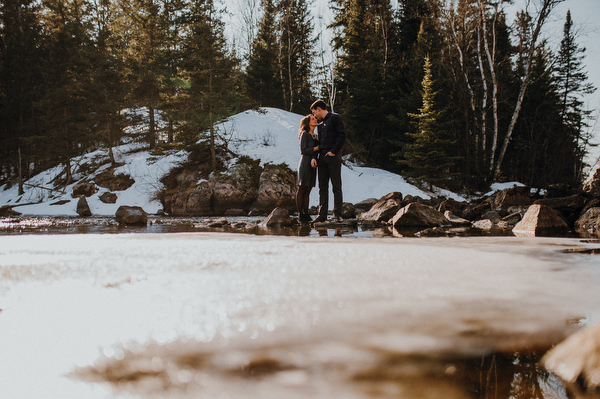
[[445, 92]]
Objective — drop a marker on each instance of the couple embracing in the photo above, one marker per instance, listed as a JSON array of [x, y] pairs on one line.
[[321, 154]]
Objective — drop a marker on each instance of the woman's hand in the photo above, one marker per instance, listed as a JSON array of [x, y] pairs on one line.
[[316, 149], [313, 163]]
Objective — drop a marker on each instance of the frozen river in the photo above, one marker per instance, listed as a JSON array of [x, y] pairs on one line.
[[217, 315]]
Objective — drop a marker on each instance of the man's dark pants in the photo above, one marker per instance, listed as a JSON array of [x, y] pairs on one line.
[[330, 168]]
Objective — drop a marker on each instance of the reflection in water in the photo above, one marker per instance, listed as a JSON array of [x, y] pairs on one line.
[[246, 225], [187, 367]]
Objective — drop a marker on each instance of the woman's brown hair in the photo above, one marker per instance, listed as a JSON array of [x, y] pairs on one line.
[[304, 125]]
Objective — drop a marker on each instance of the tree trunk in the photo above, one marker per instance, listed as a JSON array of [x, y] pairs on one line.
[[21, 191], [545, 10]]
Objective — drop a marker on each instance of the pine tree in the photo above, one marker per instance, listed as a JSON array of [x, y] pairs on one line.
[[20, 78], [212, 73], [572, 85], [65, 108], [429, 157], [296, 52], [366, 72], [262, 74]]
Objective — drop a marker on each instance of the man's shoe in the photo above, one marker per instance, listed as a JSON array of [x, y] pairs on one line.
[[320, 219]]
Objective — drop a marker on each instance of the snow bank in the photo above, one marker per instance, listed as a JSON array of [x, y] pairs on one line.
[[269, 134]]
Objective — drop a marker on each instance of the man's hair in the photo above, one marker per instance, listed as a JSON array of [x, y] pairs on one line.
[[319, 104]]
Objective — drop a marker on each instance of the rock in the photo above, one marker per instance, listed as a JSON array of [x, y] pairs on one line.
[[278, 217], [216, 223], [133, 215], [87, 189], [7, 211], [566, 205], [451, 205], [541, 220], [118, 182], [234, 190], [512, 219], [577, 358], [416, 215], [515, 196], [483, 224], [277, 189], [60, 202], [83, 209], [384, 209], [590, 220], [592, 186], [235, 212], [409, 199], [493, 216], [109, 198], [365, 205], [348, 211], [433, 232], [474, 211], [560, 190], [455, 220]]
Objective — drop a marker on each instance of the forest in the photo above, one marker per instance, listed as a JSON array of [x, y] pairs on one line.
[[445, 92]]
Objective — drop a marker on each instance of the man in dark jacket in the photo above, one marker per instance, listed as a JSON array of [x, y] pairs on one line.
[[332, 136]]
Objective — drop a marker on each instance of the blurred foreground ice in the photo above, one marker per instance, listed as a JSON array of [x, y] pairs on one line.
[[199, 315]]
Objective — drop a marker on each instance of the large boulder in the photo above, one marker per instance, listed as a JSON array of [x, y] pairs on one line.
[[541, 220], [592, 186], [418, 215], [451, 205], [278, 217], [234, 190], [276, 189], [131, 215], [455, 220], [570, 205], [514, 196], [87, 189], [474, 211], [590, 220], [577, 358], [384, 209], [348, 211], [365, 205], [83, 209], [114, 182]]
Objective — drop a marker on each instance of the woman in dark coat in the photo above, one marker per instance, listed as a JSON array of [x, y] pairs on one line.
[[307, 171]]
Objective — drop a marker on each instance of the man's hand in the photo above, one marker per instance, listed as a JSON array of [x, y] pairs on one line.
[[316, 149], [313, 163], [330, 154]]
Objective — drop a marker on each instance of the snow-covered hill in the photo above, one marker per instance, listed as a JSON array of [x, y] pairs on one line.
[[270, 135]]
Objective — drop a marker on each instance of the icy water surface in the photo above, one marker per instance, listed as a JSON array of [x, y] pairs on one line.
[[221, 315]]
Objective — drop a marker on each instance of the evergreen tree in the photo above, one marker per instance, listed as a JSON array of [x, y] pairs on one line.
[[148, 33], [20, 78], [212, 73], [65, 107], [429, 156], [572, 85], [262, 74], [366, 94], [296, 52], [107, 85]]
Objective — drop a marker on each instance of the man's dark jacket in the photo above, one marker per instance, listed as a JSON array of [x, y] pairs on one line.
[[332, 133]]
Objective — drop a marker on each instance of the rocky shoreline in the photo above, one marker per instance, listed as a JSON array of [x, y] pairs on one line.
[[248, 190]]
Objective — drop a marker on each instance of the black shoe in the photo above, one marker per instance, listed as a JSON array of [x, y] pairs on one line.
[[320, 219], [307, 218]]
